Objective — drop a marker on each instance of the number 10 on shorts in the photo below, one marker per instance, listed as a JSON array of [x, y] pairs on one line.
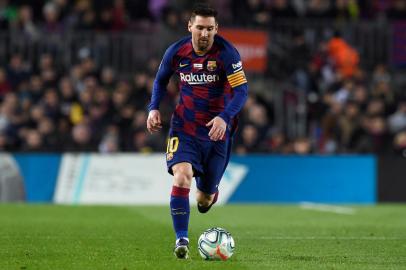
[[173, 144]]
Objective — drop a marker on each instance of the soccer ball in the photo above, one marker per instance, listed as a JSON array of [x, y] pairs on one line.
[[216, 244]]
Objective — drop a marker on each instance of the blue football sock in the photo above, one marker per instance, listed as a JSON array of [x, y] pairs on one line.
[[180, 210]]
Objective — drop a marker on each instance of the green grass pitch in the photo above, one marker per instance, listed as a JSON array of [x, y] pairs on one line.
[[266, 236]]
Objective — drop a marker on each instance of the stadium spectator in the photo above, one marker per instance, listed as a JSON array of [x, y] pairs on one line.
[[375, 138], [33, 142], [108, 79], [52, 24], [399, 143], [119, 16], [302, 146], [105, 20], [110, 140], [298, 59], [276, 142], [345, 58], [24, 25], [349, 126], [17, 71], [64, 9], [397, 120], [67, 95], [258, 117], [81, 139], [48, 132]]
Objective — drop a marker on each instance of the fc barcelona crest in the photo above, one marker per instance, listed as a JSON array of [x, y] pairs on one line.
[[169, 156], [211, 65]]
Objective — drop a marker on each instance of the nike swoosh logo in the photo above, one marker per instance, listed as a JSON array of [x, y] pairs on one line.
[[183, 65]]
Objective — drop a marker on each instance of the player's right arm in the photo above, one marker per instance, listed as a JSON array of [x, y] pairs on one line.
[[159, 90], [154, 123]]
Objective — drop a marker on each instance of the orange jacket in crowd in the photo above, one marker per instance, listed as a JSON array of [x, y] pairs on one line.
[[345, 57]]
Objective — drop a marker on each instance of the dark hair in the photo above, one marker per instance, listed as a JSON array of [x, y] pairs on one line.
[[203, 10]]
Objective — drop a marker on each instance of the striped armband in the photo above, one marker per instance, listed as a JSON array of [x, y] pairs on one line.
[[237, 78]]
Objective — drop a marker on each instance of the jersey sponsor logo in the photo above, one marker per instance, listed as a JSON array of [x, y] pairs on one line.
[[211, 65], [237, 65], [196, 79]]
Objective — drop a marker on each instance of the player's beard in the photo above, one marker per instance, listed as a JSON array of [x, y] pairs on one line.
[[203, 44]]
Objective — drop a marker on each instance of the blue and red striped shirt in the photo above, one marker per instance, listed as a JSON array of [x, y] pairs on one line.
[[213, 84]]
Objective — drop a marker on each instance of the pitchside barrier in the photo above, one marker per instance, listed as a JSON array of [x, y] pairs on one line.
[[142, 179]]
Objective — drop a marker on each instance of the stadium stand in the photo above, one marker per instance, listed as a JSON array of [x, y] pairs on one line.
[[77, 75]]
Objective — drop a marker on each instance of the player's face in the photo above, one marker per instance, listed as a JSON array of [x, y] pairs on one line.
[[203, 30]]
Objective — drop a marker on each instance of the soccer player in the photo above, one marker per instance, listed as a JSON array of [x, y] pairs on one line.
[[213, 90]]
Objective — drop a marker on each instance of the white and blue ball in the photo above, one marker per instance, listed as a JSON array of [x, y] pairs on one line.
[[216, 244]]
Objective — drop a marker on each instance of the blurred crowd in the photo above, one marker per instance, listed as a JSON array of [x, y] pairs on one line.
[[46, 107], [348, 110], [59, 16], [84, 108]]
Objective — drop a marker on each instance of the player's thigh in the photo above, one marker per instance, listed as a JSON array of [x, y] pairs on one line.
[[214, 168]]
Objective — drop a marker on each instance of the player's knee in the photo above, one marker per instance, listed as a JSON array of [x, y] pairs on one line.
[[183, 176]]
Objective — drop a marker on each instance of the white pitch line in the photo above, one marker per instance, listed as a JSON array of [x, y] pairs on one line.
[[372, 238], [327, 208]]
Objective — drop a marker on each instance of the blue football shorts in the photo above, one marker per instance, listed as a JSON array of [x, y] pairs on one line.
[[209, 159]]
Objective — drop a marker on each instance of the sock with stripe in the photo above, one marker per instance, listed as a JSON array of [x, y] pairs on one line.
[[180, 211]]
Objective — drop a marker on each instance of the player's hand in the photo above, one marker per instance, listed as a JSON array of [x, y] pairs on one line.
[[218, 128], [154, 121]]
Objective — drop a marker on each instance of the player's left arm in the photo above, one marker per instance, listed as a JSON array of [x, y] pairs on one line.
[[236, 78]]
